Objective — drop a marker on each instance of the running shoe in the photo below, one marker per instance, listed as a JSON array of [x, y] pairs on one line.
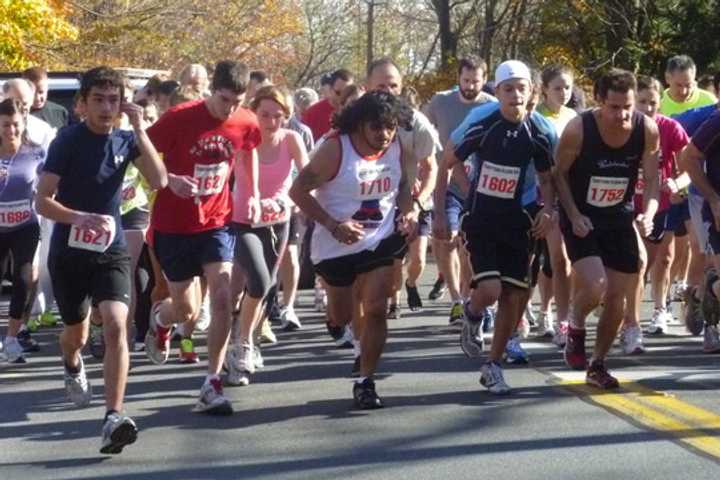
[[514, 352], [366, 398], [257, 358], [471, 337], [659, 322], [457, 314], [77, 387], [157, 339], [96, 342], [212, 400], [529, 317], [575, 357], [488, 320], [138, 345], [342, 336], [694, 319], [118, 431], [393, 312], [266, 334], [491, 377], [236, 376], [560, 337], [355, 373], [523, 327], [203, 321], [28, 343], [273, 311], [289, 320], [320, 300], [413, 298], [439, 290], [3, 356], [710, 304], [187, 351], [47, 319], [13, 351], [631, 339], [33, 324], [545, 324], [711, 340], [678, 291], [598, 376]]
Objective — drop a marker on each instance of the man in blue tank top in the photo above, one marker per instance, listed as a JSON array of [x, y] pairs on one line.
[[598, 160]]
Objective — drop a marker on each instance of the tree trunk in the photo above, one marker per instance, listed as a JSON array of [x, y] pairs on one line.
[[448, 38], [370, 25]]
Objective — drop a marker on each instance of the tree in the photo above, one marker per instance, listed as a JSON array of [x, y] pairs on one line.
[[29, 29]]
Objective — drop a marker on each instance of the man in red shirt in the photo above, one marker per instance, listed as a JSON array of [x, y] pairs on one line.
[[319, 115], [200, 142]]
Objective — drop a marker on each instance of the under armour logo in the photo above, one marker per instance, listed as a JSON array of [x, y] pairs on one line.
[[511, 134], [119, 159]]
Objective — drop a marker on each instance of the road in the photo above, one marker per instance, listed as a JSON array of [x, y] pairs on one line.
[[296, 420]]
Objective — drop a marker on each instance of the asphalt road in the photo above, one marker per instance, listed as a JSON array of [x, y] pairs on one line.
[[297, 421]]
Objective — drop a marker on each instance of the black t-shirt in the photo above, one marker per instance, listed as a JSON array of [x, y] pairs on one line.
[[91, 169], [54, 114], [602, 179]]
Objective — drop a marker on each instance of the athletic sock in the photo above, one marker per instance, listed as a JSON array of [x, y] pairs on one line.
[[360, 379]]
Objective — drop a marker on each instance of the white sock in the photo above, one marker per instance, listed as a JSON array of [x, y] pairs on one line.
[[360, 379]]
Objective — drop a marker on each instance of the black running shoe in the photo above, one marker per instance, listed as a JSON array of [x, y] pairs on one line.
[[413, 298], [365, 396], [439, 290], [341, 335], [27, 342], [393, 312], [356, 368]]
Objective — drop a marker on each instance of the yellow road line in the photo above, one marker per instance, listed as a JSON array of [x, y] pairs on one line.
[[687, 423]]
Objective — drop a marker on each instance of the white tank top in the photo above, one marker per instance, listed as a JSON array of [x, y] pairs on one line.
[[364, 190]]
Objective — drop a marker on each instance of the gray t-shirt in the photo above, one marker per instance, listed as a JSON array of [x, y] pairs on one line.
[[446, 111]]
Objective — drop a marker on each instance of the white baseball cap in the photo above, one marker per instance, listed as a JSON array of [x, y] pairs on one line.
[[511, 69]]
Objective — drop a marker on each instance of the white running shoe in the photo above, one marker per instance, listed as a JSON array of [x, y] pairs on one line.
[[258, 360], [13, 351], [118, 431], [289, 320], [491, 377], [631, 340], [545, 324], [77, 387], [560, 337], [212, 400], [529, 315], [659, 322], [235, 376], [203, 321], [523, 328]]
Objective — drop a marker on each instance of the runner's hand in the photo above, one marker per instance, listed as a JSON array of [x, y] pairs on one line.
[[581, 226], [135, 114], [94, 222], [644, 225], [254, 210], [407, 225], [184, 186], [543, 223], [440, 226], [348, 232]]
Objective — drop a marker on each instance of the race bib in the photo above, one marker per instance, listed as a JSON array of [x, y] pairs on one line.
[[606, 191], [92, 241], [498, 181], [273, 212], [211, 178], [13, 214], [640, 184], [375, 183]]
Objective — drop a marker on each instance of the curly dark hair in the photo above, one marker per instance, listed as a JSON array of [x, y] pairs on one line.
[[374, 107]]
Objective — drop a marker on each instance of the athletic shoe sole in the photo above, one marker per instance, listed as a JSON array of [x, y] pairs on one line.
[[125, 434]]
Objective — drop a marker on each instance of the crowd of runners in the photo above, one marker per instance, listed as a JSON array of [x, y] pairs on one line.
[[184, 206]]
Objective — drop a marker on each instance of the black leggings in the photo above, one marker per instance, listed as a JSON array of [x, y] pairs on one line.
[[21, 245], [144, 284], [257, 252]]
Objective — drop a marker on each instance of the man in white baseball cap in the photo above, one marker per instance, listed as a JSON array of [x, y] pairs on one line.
[[509, 148]]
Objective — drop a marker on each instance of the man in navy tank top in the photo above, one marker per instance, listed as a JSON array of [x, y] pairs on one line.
[[597, 164]]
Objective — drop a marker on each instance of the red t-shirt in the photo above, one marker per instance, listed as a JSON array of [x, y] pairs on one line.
[[195, 143], [672, 139], [318, 117]]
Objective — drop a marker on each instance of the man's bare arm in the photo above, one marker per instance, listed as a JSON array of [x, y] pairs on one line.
[[567, 152]]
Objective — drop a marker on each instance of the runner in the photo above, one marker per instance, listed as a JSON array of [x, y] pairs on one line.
[[598, 161], [319, 115], [80, 189], [20, 163], [260, 244], [557, 86], [446, 111], [53, 113], [200, 141], [705, 147], [508, 146], [358, 179], [659, 245]]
